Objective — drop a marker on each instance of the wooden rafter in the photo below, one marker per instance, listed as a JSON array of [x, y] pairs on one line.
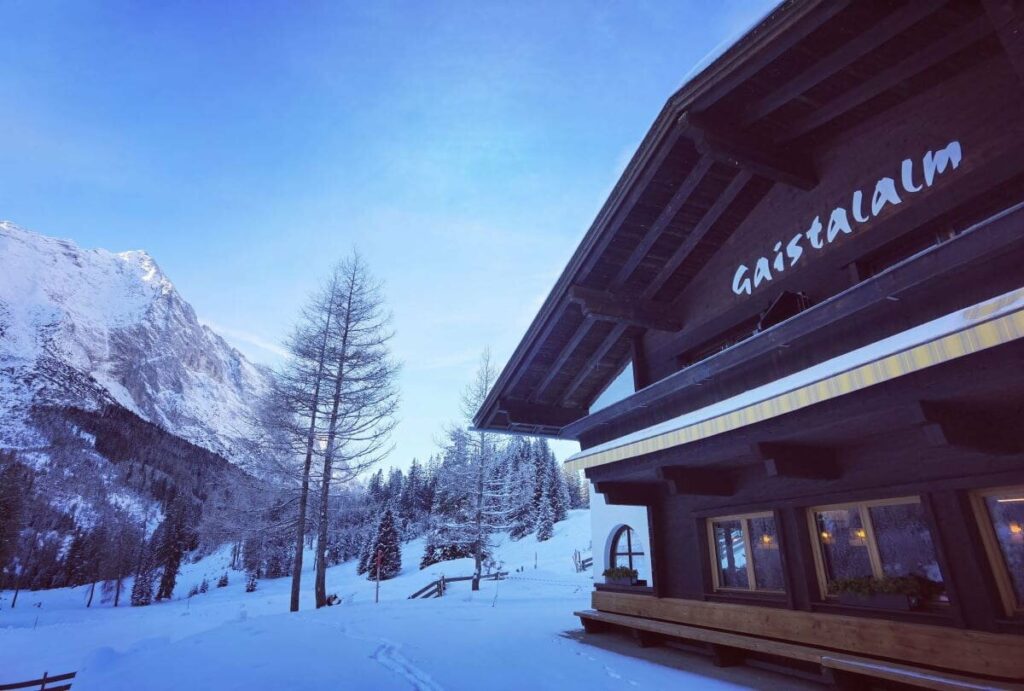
[[698, 233], [601, 304], [918, 62], [637, 189], [840, 59], [599, 354], [823, 12], [618, 214], [682, 194], [581, 333]]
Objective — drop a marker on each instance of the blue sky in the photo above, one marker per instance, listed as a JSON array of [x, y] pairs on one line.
[[463, 147]]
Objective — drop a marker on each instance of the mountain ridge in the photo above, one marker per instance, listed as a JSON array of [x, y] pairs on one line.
[[84, 327]]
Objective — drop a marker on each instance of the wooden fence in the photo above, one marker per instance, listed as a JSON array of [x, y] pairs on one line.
[[438, 587], [43, 684]]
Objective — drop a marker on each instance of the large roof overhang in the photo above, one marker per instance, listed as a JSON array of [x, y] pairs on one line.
[[806, 73]]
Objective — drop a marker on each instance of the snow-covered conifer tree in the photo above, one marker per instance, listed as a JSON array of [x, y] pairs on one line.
[[388, 546]]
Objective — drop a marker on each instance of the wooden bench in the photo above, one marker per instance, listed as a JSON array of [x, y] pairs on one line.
[[44, 683], [836, 663]]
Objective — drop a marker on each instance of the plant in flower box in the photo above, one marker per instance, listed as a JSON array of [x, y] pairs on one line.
[[894, 592], [620, 575]]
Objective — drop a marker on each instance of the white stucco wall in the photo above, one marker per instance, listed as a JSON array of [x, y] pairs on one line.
[[604, 521]]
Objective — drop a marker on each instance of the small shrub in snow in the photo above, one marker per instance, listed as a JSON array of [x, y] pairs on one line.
[[333, 599], [250, 585], [193, 591], [204, 586], [222, 582]]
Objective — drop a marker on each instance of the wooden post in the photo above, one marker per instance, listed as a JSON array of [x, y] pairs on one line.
[[43, 687], [376, 594]]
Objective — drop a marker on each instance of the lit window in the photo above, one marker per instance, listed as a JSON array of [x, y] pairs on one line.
[[627, 550], [745, 553], [880, 540], [1001, 513]]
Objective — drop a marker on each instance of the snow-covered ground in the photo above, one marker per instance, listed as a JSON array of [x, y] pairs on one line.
[[518, 633]]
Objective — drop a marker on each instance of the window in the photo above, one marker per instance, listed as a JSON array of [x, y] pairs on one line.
[[745, 553], [627, 550], [883, 539], [1001, 514]]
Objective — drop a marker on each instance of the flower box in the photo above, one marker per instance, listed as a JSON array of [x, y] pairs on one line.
[[892, 601]]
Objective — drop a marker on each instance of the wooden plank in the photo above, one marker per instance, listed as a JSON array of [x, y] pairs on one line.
[[840, 59], [887, 79], [694, 633], [965, 651], [698, 233]]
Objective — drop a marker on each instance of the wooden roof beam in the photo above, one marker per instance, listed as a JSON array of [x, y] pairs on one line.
[[701, 481], [601, 304], [1007, 16], [994, 432], [840, 59], [797, 460], [728, 146], [630, 493], [932, 55]]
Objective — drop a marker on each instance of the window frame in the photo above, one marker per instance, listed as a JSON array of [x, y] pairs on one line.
[[874, 556], [709, 523], [1012, 606], [614, 552]]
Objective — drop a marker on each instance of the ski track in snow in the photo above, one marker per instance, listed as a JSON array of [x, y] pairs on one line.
[[388, 656]]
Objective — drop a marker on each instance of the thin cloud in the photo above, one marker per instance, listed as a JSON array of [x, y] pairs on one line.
[[249, 339]]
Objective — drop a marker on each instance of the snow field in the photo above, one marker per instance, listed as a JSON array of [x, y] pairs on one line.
[[517, 633]]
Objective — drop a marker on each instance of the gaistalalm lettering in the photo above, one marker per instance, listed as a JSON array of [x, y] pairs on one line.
[[844, 222]]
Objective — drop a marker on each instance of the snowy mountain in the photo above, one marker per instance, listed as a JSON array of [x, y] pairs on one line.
[[84, 328]]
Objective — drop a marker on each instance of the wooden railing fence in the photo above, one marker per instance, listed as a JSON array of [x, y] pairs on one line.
[[438, 587], [46, 683]]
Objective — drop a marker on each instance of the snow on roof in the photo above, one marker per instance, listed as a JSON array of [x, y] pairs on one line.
[[732, 39], [931, 331]]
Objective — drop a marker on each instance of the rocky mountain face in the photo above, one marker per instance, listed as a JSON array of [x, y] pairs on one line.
[[87, 328]]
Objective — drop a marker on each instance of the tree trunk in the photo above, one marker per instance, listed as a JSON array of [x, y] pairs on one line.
[[300, 528], [320, 586], [117, 590], [478, 548], [92, 590]]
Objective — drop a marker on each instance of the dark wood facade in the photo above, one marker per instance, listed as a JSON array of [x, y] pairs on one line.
[[848, 171]]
